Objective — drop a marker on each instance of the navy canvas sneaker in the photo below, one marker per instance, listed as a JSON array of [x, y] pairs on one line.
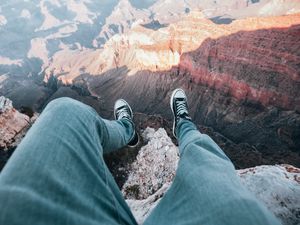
[[122, 110], [179, 107]]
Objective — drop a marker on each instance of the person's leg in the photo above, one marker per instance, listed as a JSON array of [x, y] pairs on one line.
[[57, 174], [206, 189]]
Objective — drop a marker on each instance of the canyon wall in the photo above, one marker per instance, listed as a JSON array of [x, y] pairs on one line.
[[242, 79]]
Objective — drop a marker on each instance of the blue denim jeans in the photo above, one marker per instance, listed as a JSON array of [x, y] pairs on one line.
[[57, 175]]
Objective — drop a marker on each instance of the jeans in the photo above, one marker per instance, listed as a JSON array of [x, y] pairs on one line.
[[57, 175]]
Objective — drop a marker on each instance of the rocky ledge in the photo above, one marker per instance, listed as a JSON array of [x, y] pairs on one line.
[[13, 126], [276, 186], [12, 122]]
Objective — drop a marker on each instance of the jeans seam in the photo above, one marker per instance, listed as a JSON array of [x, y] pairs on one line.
[[112, 197], [113, 200], [133, 128]]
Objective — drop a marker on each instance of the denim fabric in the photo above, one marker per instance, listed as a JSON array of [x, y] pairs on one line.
[[57, 176]]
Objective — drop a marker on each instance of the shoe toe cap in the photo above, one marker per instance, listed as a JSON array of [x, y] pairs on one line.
[[120, 103], [179, 93]]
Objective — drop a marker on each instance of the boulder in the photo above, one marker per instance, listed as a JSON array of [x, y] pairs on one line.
[[12, 123]]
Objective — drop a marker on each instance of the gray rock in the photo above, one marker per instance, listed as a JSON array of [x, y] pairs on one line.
[[5, 104]]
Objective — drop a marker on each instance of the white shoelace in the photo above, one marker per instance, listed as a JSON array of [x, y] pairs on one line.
[[181, 108], [123, 112]]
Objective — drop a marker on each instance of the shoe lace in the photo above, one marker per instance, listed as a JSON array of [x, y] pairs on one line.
[[181, 107], [123, 112]]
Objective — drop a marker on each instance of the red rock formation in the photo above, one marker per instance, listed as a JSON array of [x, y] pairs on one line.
[[261, 66], [253, 59], [11, 123]]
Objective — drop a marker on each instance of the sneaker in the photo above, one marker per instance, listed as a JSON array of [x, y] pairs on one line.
[[122, 110], [179, 107]]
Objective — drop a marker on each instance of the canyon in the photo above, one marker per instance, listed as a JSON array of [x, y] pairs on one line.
[[238, 62], [242, 79]]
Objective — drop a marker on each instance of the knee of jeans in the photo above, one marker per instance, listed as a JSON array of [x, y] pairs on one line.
[[206, 139], [62, 102], [209, 144], [66, 104]]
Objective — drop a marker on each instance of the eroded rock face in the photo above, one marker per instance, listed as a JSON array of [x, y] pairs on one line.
[[13, 127], [12, 123], [257, 66], [180, 43]]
